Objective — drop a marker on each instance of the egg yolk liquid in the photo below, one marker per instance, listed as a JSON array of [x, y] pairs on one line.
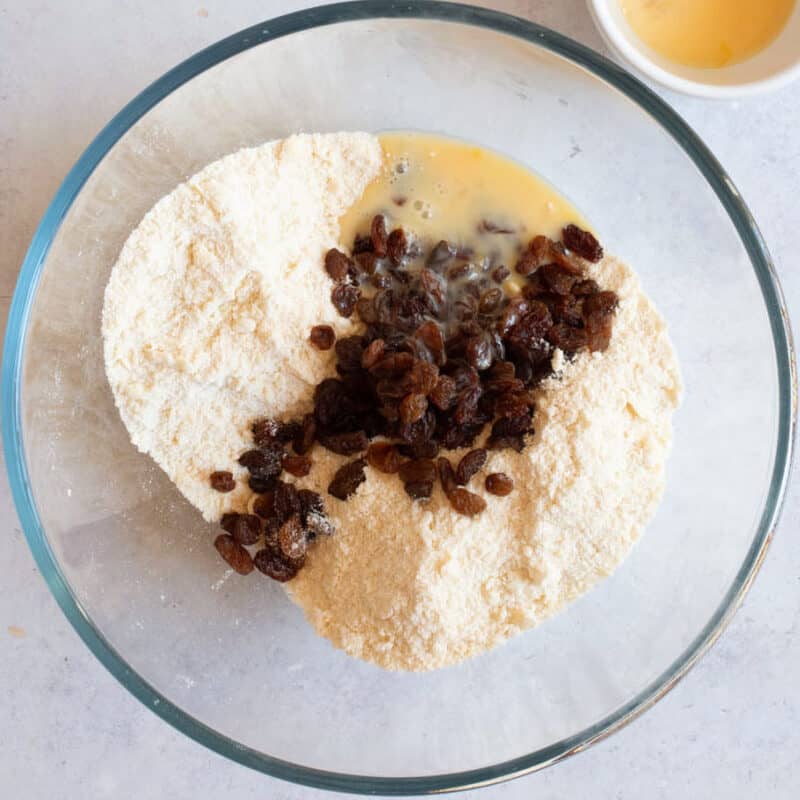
[[707, 33]]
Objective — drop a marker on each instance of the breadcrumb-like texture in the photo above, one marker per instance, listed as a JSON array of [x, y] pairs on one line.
[[208, 309]]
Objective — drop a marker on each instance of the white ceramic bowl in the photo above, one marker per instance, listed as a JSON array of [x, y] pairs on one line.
[[772, 68]]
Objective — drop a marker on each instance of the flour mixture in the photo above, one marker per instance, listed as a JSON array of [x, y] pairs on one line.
[[404, 380]]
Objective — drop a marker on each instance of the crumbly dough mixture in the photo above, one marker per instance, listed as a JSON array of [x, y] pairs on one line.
[[206, 322], [208, 308]]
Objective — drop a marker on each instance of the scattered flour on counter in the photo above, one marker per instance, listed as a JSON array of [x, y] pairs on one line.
[[205, 324], [208, 308]]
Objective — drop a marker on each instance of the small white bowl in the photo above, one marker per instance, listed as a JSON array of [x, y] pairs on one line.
[[772, 68]]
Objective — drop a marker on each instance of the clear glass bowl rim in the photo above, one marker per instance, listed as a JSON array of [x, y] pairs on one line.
[[286, 25]]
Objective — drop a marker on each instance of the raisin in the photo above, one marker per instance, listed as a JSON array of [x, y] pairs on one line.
[[560, 256], [419, 431], [366, 262], [465, 252], [396, 246], [564, 308], [271, 527], [334, 409], [287, 431], [306, 435], [488, 226], [348, 353], [601, 304], [582, 243], [587, 287], [532, 325], [421, 449], [222, 481], [516, 443], [458, 435], [470, 464], [423, 376], [444, 393], [234, 554], [513, 312], [467, 406], [513, 425], [264, 506], [419, 470], [377, 235], [413, 407], [373, 353], [262, 485], [381, 281], [347, 479], [344, 298], [569, 339], [502, 370], [385, 304], [598, 333], [362, 244], [536, 285], [441, 254], [432, 284], [310, 503], [500, 273], [227, 521], [419, 490], [527, 265], [556, 278], [322, 337], [337, 265], [430, 334], [512, 404], [539, 249], [275, 565], [458, 271], [499, 483], [392, 365], [394, 389], [400, 276], [384, 457], [479, 352], [299, 466], [292, 538], [317, 524], [447, 476], [265, 431], [490, 301], [345, 444], [287, 501], [466, 503], [264, 462], [247, 529]]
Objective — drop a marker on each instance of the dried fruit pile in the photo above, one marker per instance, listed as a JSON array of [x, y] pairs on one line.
[[445, 352], [286, 519]]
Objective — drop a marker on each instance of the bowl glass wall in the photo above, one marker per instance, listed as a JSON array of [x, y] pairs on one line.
[[232, 662]]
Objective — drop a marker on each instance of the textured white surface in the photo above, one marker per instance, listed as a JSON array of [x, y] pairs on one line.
[[67, 729]]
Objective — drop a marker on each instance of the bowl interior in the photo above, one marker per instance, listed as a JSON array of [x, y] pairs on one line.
[[236, 654], [781, 59]]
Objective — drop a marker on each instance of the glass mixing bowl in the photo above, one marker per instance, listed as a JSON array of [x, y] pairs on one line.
[[232, 663]]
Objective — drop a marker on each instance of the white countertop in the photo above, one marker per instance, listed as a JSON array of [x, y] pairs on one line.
[[67, 729]]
